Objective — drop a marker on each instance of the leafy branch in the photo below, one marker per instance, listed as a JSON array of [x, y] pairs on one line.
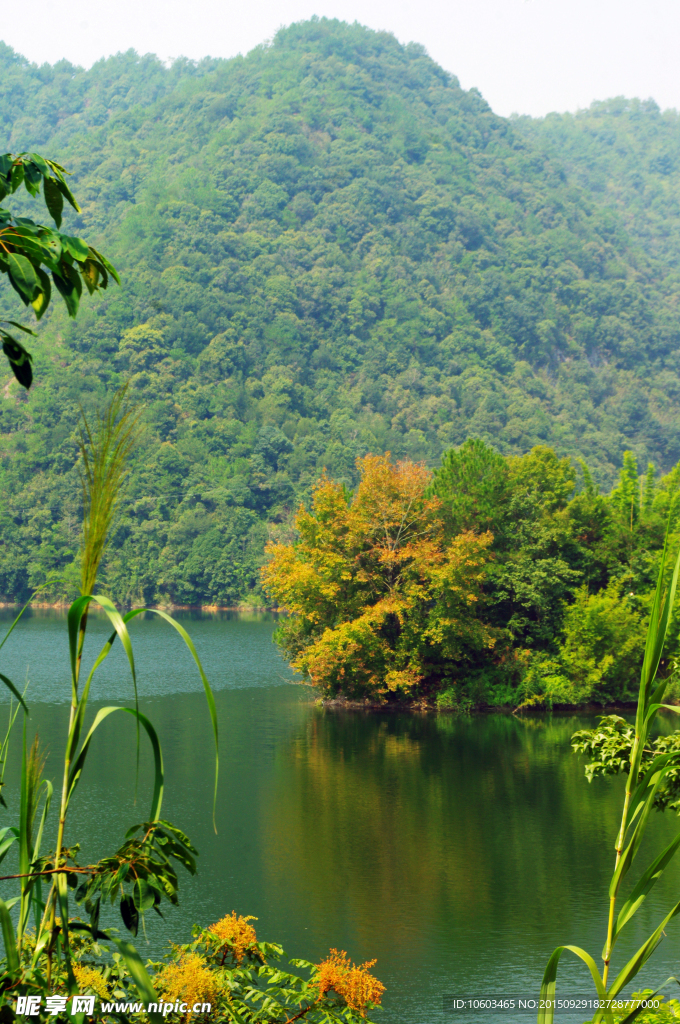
[[35, 256]]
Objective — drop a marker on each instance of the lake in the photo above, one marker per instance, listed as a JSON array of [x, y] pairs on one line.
[[457, 851]]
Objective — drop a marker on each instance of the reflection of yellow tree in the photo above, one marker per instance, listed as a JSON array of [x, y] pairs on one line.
[[408, 826]]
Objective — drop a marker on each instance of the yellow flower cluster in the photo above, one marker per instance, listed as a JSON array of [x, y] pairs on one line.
[[356, 986], [235, 933], [90, 977], [188, 980]]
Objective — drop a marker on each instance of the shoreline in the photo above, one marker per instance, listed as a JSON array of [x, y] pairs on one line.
[[401, 707], [65, 605]]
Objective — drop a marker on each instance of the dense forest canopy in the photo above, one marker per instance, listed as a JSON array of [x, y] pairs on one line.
[[328, 249]]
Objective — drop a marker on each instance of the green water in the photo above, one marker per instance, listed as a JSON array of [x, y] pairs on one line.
[[459, 852]]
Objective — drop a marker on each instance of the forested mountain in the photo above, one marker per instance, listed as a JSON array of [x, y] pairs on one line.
[[328, 248]]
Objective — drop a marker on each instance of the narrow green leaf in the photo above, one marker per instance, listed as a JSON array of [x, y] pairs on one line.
[[546, 1013], [645, 884], [8, 938], [26, 330], [643, 954], [66, 191], [67, 282], [210, 699], [19, 359], [631, 850], [139, 976], [54, 200], [79, 763], [12, 688], [106, 264]]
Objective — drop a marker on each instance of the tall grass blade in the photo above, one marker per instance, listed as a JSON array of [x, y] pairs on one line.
[[11, 628], [662, 610], [139, 976], [8, 938], [79, 763], [645, 885], [643, 954], [77, 612], [13, 690], [209, 696], [546, 1013], [626, 860]]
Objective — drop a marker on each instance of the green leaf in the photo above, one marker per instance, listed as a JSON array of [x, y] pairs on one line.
[[69, 287], [54, 200], [107, 266], [206, 685], [26, 330], [129, 914], [643, 954], [645, 884], [42, 301], [653, 781], [12, 688], [546, 1013], [78, 249], [8, 938], [19, 359], [23, 276], [66, 191], [16, 176], [79, 763], [139, 976]]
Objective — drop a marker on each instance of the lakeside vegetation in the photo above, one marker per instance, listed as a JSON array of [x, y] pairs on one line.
[[492, 581]]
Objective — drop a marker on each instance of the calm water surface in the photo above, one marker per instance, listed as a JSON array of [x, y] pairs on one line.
[[458, 852]]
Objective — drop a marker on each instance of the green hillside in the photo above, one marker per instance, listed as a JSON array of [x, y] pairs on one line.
[[328, 248]]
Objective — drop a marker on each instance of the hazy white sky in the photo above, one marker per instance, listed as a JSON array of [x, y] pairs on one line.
[[525, 56]]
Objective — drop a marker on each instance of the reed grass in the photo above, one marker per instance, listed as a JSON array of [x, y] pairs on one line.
[[142, 872], [640, 791]]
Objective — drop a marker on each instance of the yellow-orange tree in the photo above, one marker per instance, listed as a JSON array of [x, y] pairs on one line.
[[380, 604]]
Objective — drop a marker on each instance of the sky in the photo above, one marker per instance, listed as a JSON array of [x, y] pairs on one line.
[[524, 56]]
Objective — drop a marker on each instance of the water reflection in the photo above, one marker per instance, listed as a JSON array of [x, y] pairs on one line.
[[460, 852]]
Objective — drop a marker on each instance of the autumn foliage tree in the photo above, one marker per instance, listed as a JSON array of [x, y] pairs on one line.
[[381, 605]]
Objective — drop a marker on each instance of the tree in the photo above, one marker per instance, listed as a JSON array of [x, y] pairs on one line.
[[381, 606], [28, 251]]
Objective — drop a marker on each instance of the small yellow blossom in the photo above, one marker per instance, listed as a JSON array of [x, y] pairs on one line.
[[188, 980], [235, 933], [90, 977], [356, 986]]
